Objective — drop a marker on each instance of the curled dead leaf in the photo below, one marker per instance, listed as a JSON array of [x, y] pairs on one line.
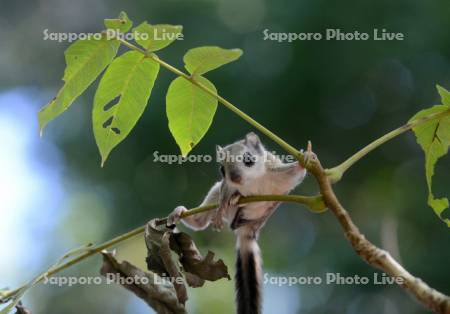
[[157, 292], [161, 241]]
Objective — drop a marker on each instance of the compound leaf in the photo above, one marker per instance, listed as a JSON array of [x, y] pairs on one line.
[[121, 98]]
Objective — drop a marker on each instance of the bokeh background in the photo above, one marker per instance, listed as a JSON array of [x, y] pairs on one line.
[[54, 196]]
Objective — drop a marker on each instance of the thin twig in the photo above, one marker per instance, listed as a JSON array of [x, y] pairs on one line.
[[335, 174]]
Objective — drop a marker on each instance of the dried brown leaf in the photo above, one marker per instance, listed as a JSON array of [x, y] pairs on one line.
[[195, 267], [193, 261], [158, 293]]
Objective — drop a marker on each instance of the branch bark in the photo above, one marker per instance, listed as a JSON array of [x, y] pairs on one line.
[[370, 253]]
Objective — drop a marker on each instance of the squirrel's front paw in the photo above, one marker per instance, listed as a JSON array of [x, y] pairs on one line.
[[234, 200], [175, 216]]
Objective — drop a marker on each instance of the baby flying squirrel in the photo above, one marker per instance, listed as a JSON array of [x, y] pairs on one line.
[[246, 169]]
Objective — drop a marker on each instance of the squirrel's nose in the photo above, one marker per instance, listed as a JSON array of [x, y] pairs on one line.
[[235, 177]]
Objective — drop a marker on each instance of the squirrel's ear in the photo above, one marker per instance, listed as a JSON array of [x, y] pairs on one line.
[[252, 139]]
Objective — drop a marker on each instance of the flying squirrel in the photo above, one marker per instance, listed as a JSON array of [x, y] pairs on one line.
[[247, 168]]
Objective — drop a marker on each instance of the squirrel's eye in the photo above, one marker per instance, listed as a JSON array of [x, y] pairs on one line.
[[249, 160], [222, 171]]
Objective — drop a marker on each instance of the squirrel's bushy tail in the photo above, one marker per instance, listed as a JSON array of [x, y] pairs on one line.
[[248, 278]]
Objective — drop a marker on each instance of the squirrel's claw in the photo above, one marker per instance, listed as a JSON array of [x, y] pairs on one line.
[[234, 200]]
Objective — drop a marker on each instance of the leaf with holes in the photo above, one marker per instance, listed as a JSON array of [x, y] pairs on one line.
[[434, 138], [190, 111], [157, 37], [122, 23], [204, 59], [121, 98], [85, 60]]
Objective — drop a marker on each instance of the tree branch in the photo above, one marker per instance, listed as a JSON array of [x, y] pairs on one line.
[[314, 203], [372, 254]]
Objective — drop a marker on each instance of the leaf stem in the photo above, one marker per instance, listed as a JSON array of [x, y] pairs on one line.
[[335, 174], [314, 203]]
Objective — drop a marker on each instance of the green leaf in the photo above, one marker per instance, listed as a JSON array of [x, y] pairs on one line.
[[434, 138], [445, 95], [122, 23], [157, 37], [121, 98], [190, 111], [204, 59], [85, 60]]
